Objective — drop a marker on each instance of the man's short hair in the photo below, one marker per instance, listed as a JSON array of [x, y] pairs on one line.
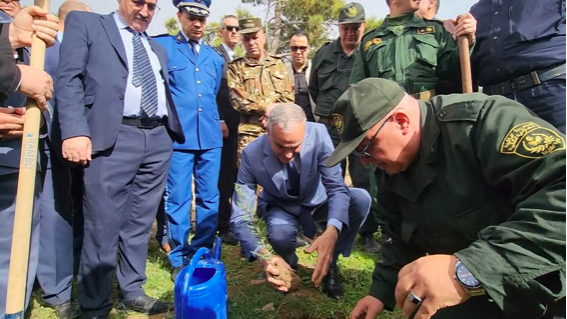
[[284, 114], [388, 3], [69, 6], [223, 24], [437, 3], [300, 33]]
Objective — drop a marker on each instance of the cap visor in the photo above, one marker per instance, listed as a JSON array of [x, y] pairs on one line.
[[351, 22], [251, 30], [344, 149]]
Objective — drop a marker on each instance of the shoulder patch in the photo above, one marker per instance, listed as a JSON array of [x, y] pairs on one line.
[[529, 140], [161, 35], [426, 30], [372, 42]]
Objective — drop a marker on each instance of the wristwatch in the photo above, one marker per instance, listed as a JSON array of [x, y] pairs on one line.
[[464, 277]]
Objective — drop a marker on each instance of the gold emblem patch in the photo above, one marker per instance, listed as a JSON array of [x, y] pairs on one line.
[[529, 140], [351, 12], [339, 123], [376, 41], [426, 30]]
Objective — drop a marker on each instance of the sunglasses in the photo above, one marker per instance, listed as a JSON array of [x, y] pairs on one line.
[[295, 48], [364, 152], [232, 28]]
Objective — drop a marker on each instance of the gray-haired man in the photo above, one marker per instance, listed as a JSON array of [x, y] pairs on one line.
[[298, 189]]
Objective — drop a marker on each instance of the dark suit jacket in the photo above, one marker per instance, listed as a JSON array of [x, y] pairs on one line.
[[9, 73], [92, 82], [228, 113]]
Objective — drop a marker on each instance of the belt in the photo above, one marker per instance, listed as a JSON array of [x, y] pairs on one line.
[[144, 122], [424, 95], [327, 120], [527, 81], [251, 119]]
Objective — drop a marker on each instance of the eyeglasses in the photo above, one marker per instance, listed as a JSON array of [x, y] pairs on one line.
[[364, 152], [152, 7], [232, 28], [295, 48]]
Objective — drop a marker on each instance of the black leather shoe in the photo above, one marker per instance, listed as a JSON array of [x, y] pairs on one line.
[[370, 245], [300, 242], [68, 310], [228, 238], [176, 272], [332, 284], [146, 304]]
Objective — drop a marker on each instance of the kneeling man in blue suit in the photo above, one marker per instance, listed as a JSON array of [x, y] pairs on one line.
[[298, 190]]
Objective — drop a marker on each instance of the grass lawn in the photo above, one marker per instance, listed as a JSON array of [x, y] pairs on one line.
[[248, 295]]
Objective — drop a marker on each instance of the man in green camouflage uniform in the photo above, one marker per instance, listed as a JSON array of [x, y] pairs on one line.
[[256, 81], [414, 52], [330, 72], [473, 188]]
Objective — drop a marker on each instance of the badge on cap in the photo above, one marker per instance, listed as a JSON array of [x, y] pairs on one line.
[[339, 123], [530, 140], [351, 12]]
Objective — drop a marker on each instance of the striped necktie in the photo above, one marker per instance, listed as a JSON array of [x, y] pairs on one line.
[[144, 76]]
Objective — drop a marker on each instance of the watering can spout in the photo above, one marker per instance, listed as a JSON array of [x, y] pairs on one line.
[[218, 247]]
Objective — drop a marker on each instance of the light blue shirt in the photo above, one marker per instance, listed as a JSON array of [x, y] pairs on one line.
[[133, 96], [60, 36]]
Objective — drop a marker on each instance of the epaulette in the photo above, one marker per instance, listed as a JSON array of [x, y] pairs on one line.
[[161, 35], [217, 51], [324, 45], [237, 59]]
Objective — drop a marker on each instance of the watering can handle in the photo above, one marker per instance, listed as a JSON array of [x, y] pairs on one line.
[[217, 251], [195, 260]]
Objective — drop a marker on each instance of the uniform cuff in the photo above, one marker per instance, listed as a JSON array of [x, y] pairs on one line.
[[335, 222]]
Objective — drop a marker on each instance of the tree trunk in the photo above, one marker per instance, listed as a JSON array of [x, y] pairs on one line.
[[275, 43]]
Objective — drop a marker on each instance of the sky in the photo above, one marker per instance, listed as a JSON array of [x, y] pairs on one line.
[[220, 8]]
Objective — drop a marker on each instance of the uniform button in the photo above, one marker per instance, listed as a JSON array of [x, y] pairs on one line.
[[200, 95], [442, 114], [121, 96], [197, 69], [200, 109], [494, 37], [495, 12], [174, 67], [125, 75], [498, 70], [198, 82]]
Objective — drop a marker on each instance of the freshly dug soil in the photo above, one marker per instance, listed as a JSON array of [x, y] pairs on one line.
[[291, 280]]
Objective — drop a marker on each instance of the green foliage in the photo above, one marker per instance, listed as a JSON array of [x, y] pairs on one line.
[[253, 223], [172, 26]]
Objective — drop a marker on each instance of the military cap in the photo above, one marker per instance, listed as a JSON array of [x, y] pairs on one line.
[[194, 7], [249, 25], [352, 13], [361, 107]]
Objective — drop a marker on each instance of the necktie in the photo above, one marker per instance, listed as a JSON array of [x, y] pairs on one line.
[[144, 76], [194, 44], [293, 179]]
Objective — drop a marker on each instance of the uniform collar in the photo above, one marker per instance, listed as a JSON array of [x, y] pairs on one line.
[[263, 61], [339, 48], [411, 183], [181, 36], [409, 20]]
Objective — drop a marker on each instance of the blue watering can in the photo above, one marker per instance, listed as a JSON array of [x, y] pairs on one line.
[[200, 288]]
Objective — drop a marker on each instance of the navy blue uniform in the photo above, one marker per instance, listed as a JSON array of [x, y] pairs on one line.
[[194, 79], [519, 44]]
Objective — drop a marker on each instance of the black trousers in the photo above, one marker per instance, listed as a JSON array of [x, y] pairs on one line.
[[227, 178]]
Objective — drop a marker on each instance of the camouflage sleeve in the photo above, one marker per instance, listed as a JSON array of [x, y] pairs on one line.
[[238, 95], [288, 95], [522, 259], [359, 69]]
